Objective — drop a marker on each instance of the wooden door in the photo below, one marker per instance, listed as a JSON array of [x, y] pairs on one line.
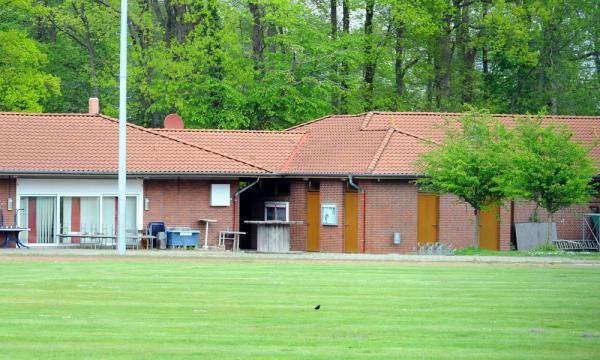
[[427, 218], [313, 220], [488, 228], [351, 222]]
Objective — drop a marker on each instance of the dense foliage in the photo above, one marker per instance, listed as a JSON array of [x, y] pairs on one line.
[[549, 167], [274, 63]]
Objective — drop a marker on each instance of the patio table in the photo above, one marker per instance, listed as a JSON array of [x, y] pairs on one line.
[[14, 231], [101, 237], [206, 221]]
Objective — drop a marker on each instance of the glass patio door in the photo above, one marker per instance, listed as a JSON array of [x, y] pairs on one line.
[[39, 215]]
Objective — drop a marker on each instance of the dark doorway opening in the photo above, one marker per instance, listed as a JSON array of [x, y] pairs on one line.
[[268, 198]]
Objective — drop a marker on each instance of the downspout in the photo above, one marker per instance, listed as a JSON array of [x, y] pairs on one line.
[[236, 198], [364, 211]]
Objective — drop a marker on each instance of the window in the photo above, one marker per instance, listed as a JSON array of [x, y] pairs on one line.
[[84, 214], [276, 210], [219, 195]]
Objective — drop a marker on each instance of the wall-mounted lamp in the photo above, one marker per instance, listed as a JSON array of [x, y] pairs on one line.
[[146, 204], [9, 204]]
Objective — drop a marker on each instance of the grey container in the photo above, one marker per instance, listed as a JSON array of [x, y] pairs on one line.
[[162, 238]]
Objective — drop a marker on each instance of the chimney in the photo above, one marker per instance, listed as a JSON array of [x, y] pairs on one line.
[[174, 122], [94, 106]]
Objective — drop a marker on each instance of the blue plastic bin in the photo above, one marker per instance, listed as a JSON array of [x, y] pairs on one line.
[[182, 237]]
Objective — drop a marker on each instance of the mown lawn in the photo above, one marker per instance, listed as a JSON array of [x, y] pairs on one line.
[[173, 309]]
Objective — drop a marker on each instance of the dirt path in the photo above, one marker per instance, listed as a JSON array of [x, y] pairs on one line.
[[77, 255]]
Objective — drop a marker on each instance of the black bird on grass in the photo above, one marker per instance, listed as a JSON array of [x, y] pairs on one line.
[[318, 307]]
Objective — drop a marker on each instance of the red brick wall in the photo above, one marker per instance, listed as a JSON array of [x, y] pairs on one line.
[[7, 189], [332, 237], [505, 227], [456, 220], [568, 221], [391, 206], [184, 202], [298, 213]]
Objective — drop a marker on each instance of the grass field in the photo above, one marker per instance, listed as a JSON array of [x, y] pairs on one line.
[[189, 309]]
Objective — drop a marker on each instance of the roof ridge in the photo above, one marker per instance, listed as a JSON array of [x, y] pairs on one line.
[[228, 131], [367, 120], [323, 118], [379, 152], [417, 113], [141, 128], [293, 153], [46, 114], [418, 137]]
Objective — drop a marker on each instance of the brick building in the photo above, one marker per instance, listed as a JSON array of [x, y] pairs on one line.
[[348, 178]]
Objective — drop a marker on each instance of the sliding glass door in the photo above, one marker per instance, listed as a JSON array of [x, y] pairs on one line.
[[74, 214], [80, 214], [110, 211], [38, 213]]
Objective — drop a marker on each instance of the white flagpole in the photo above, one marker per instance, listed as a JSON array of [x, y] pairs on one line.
[[122, 177]]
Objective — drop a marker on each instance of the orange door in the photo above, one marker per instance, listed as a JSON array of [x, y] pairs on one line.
[[313, 217], [488, 228], [427, 218], [351, 222]]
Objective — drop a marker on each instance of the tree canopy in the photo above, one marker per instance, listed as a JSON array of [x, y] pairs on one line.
[[471, 162], [274, 63], [549, 167], [485, 161]]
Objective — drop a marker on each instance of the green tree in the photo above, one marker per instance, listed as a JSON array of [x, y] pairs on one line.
[[549, 167], [470, 163], [23, 83]]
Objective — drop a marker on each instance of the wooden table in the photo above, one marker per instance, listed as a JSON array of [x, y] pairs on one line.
[[236, 238], [7, 231]]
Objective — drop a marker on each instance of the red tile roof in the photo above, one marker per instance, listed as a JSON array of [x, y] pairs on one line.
[[377, 143], [408, 135], [269, 149], [81, 143]]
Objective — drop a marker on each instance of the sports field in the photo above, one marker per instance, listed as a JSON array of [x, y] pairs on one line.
[[103, 308]]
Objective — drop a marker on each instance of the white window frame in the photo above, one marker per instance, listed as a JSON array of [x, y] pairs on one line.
[[220, 194], [29, 187], [277, 204]]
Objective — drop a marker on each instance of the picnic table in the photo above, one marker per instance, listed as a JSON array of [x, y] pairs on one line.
[[103, 239], [14, 231]]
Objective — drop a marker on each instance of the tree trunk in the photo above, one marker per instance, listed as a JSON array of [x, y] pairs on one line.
[[549, 231], [467, 54], [258, 38], [369, 71], [91, 52], [484, 56], [477, 228], [399, 67], [442, 65], [345, 72], [335, 99]]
